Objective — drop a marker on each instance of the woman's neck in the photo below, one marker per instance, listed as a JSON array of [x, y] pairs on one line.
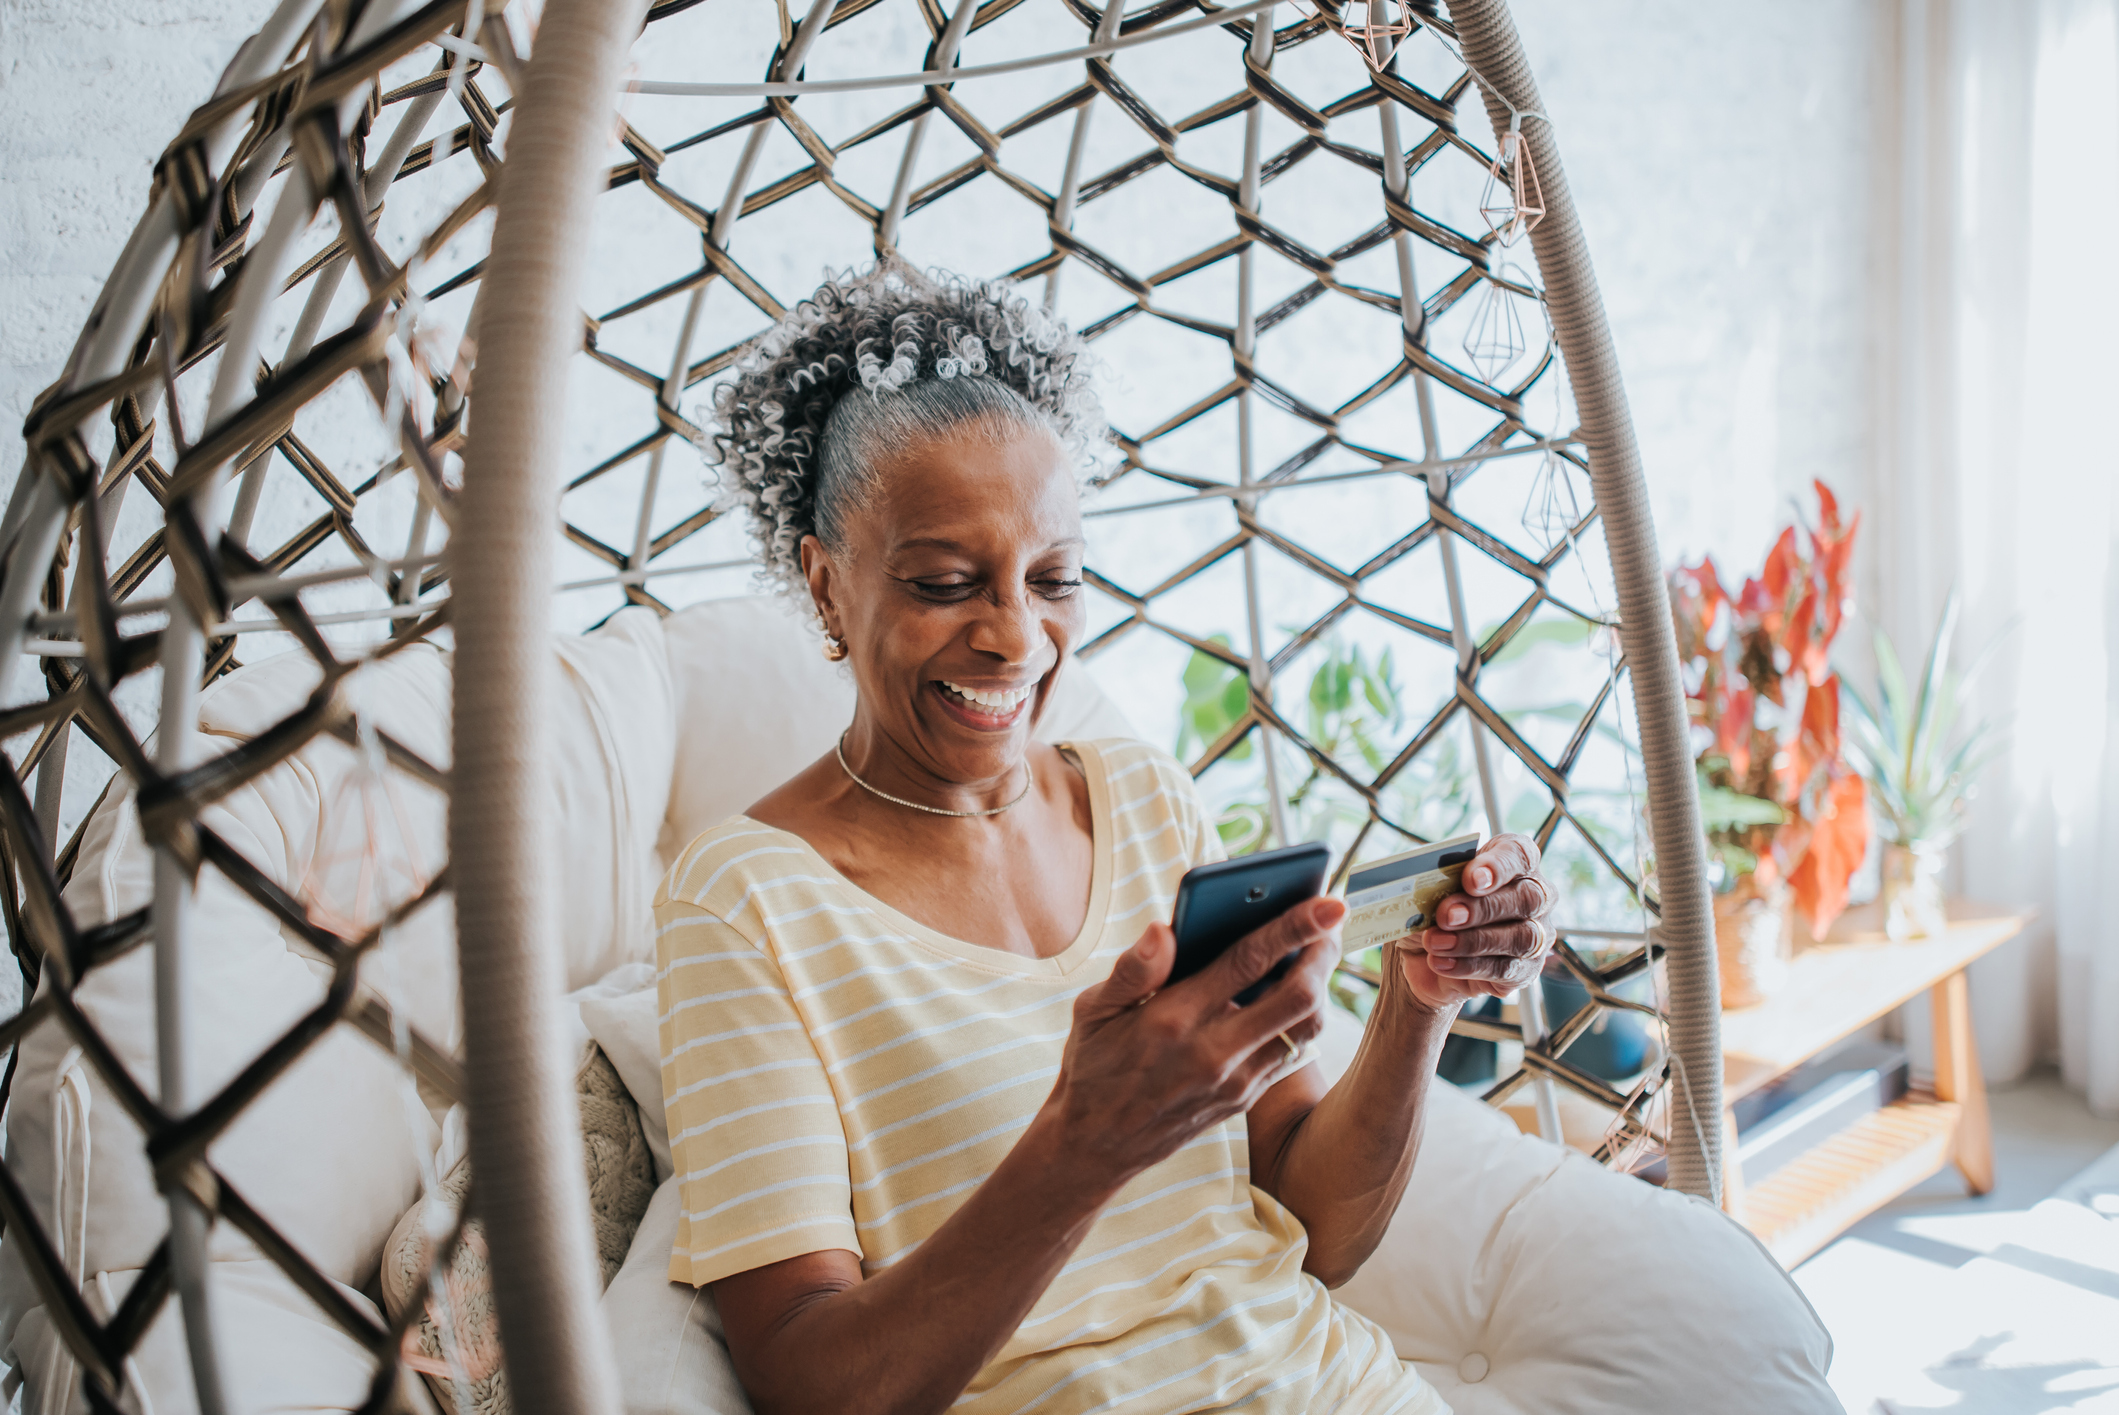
[[888, 770]]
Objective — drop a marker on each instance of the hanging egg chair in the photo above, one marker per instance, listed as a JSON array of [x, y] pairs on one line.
[[317, 840]]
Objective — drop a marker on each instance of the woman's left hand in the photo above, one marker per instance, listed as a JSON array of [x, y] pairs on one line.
[[1492, 938]]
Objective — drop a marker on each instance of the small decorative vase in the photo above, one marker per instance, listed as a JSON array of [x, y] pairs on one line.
[[1913, 906], [1754, 937]]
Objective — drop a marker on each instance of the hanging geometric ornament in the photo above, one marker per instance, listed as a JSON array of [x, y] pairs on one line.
[[1494, 340], [365, 863], [1553, 509], [1377, 30], [1496, 337], [1631, 1141], [1514, 203], [1374, 29]]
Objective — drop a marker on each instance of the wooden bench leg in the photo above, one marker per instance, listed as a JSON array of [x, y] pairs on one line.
[[1957, 1078]]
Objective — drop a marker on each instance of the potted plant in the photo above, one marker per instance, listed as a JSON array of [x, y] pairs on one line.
[[1786, 813], [1921, 773]]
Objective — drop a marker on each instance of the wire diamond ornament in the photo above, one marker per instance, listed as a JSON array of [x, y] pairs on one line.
[[1377, 28], [1373, 27], [1514, 203], [364, 862], [1554, 507], [1494, 340]]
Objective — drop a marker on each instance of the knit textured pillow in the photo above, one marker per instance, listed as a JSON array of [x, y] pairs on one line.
[[458, 1338]]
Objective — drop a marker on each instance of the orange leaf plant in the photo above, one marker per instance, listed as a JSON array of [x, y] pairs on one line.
[[1780, 800]]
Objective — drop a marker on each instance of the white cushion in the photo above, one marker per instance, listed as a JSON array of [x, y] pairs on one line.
[[667, 1335], [615, 744], [621, 1015], [331, 1146], [327, 1147], [1524, 1278], [757, 701], [279, 1352]]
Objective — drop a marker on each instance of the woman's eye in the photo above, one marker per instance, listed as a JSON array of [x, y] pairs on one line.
[[1056, 589], [944, 589]]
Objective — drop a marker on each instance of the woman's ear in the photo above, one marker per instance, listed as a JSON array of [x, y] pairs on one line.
[[818, 570]]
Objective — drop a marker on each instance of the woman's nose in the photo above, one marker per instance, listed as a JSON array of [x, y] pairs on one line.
[[1010, 629]]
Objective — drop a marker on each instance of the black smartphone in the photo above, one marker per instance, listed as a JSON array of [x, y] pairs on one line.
[[1218, 904]]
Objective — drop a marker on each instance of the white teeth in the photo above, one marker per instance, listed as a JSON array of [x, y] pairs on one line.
[[1003, 701]]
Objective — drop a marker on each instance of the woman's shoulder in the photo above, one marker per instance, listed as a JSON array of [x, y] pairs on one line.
[[1140, 777], [1133, 768], [720, 868]]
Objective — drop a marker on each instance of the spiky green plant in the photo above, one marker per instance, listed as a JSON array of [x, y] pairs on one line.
[[1922, 770]]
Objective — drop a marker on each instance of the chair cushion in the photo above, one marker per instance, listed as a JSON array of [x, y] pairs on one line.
[[327, 1152], [757, 701], [666, 1335], [280, 1353], [1524, 1278], [1520, 1276]]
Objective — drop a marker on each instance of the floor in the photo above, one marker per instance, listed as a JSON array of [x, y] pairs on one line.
[[2002, 1305]]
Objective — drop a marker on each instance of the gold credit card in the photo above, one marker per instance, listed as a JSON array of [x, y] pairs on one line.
[[1389, 899]]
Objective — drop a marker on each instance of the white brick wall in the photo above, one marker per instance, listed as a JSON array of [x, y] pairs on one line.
[[90, 90]]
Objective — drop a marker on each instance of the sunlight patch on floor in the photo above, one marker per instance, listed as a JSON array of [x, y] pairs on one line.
[[1942, 1303]]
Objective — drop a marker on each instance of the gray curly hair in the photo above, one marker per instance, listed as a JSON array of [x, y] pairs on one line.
[[927, 352]]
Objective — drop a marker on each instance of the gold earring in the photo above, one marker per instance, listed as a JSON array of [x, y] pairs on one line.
[[834, 646]]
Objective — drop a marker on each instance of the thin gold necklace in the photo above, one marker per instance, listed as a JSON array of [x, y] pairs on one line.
[[839, 749]]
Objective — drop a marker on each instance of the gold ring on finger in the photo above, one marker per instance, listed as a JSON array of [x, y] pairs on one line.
[[1294, 1051]]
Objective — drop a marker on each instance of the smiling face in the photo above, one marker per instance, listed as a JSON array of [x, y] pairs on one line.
[[957, 593]]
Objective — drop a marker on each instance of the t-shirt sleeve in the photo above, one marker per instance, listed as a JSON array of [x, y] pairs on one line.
[[1194, 821], [755, 1134]]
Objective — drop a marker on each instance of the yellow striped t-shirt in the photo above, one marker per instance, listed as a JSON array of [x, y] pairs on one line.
[[837, 1075]]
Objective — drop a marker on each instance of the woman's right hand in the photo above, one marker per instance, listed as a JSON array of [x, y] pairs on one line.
[[1146, 1067]]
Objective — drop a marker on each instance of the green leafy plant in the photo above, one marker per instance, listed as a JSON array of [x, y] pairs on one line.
[[1922, 772], [1216, 695], [1731, 817], [1350, 703]]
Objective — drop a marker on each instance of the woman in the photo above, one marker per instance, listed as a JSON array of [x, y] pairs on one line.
[[945, 1139]]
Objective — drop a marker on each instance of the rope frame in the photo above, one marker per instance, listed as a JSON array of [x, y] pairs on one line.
[[205, 269]]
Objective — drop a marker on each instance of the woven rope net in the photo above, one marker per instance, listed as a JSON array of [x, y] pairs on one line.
[[1356, 550]]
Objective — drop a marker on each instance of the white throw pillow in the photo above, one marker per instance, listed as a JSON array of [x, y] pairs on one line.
[[621, 1015], [667, 1335], [614, 744], [756, 701]]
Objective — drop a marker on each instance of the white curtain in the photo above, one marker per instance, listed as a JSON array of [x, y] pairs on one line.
[[1998, 451]]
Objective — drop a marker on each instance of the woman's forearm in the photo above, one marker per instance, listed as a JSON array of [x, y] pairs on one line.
[[1344, 1166], [912, 1337]]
